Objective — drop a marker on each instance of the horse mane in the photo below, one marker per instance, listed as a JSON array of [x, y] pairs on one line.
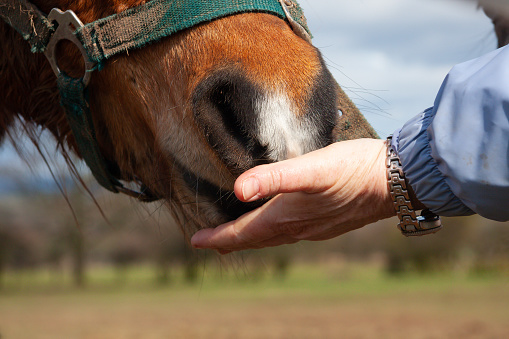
[[29, 97]]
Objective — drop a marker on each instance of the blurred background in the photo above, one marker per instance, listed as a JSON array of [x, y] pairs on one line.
[[75, 267]]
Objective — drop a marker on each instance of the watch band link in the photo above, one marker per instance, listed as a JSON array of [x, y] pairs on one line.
[[409, 223]]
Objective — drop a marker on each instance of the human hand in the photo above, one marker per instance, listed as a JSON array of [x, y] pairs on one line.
[[318, 196]]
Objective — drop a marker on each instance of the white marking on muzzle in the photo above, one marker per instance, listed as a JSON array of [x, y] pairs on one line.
[[282, 131]]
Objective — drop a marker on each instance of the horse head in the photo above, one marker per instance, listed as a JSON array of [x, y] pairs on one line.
[[189, 113]]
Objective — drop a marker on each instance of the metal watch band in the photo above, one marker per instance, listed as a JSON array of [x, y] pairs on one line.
[[409, 223]]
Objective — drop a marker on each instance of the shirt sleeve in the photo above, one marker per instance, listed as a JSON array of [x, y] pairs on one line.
[[456, 154]]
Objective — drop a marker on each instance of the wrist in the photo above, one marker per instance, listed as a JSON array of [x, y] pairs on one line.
[[386, 198], [416, 203], [410, 224]]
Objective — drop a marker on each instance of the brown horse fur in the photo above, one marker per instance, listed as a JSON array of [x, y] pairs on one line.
[[141, 102]]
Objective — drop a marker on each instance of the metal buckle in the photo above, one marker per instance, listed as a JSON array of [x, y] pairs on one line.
[[68, 23]]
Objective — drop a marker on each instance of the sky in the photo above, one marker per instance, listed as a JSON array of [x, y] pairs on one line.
[[390, 56]]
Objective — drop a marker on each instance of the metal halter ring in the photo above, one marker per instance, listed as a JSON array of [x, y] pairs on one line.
[[68, 23]]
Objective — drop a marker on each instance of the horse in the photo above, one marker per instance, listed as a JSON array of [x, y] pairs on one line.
[[182, 117]]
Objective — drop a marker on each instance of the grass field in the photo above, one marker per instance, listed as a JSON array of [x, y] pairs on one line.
[[313, 301]]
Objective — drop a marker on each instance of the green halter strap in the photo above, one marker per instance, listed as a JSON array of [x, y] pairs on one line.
[[104, 38], [28, 21], [138, 26]]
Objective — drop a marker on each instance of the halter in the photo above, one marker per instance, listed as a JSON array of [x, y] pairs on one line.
[[115, 34]]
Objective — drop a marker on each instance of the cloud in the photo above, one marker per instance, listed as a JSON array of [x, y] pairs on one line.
[[392, 55]]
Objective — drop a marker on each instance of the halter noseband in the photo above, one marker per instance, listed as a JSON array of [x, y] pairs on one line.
[[119, 33]]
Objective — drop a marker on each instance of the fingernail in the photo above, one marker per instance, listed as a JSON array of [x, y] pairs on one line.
[[250, 188]]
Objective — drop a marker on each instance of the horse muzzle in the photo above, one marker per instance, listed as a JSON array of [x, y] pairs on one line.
[[246, 124]]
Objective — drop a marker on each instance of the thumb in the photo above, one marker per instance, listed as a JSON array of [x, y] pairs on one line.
[[301, 174]]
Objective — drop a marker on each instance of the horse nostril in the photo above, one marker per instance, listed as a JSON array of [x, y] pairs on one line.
[[233, 117], [224, 108]]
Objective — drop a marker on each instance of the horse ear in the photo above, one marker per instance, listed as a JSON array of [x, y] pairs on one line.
[[352, 124]]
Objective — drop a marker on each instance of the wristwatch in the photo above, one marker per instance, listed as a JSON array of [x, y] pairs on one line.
[[409, 223]]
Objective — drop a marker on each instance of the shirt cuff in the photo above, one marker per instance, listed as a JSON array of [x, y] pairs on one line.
[[412, 144]]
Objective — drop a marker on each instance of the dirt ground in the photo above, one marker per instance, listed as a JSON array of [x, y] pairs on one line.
[[406, 308]]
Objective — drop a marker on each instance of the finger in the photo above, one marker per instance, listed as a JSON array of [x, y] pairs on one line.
[[276, 241], [238, 234], [224, 238], [255, 227], [307, 173]]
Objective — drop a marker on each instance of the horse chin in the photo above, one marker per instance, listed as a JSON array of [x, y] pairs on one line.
[[223, 203]]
